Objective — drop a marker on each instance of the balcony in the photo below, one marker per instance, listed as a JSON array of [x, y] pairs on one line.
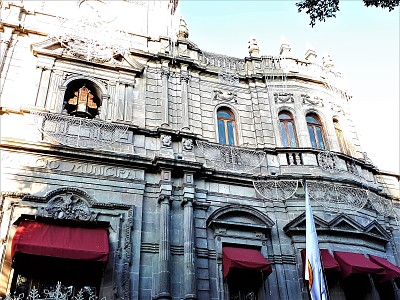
[[80, 132]]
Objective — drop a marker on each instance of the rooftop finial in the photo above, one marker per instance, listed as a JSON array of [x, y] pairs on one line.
[[183, 32], [254, 49], [311, 54], [285, 47], [327, 61]]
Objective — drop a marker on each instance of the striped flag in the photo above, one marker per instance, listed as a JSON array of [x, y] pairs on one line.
[[313, 269]]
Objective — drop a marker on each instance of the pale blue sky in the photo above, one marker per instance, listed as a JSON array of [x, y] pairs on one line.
[[363, 43]]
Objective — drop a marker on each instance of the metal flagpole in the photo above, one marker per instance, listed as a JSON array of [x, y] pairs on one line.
[[313, 269]]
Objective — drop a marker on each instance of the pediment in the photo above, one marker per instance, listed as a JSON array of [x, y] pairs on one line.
[[52, 47], [343, 222], [49, 46], [299, 223], [376, 229], [341, 225], [239, 216]]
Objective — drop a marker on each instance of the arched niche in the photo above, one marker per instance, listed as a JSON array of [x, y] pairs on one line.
[[82, 98], [240, 221]]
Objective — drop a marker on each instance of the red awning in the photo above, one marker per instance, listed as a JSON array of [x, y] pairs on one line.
[[245, 259], [356, 263], [328, 262], [391, 271], [61, 241]]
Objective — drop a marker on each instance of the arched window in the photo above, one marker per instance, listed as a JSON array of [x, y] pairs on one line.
[[288, 130], [340, 137], [82, 99], [316, 131], [226, 127]]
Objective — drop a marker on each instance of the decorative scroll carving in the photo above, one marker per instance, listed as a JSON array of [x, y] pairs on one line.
[[225, 96], [283, 97], [231, 158], [92, 40], [335, 197], [306, 100], [78, 132], [58, 292], [127, 255], [228, 77], [68, 206], [278, 190], [328, 161]]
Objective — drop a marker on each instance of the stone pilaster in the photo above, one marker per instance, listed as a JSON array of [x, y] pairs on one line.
[[184, 96], [188, 237], [164, 199], [164, 94]]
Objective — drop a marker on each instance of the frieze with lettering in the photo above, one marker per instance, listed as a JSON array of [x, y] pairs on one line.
[[13, 160]]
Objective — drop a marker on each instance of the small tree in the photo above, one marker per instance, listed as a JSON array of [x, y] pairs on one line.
[[322, 9]]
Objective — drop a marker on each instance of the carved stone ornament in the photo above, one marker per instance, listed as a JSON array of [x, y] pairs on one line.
[[68, 206], [184, 77], [283, 97], [337, 108], [187, 144], [225, 96], [306, 100], [165, 72], [166, 140]]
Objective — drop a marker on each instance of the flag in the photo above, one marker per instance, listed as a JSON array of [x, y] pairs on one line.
[[313, 269]]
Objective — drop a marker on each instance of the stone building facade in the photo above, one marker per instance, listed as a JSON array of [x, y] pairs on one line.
[[152, 167]]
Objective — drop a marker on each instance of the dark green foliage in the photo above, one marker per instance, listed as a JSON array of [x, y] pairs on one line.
[[322, 9]]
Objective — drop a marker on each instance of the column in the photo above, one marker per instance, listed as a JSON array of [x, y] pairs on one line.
[[184, 96], [164, 199], [164, 93], [188, 237]]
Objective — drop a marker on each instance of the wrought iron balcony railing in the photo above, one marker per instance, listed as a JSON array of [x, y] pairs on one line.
[[78, 132], [230, 158]]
